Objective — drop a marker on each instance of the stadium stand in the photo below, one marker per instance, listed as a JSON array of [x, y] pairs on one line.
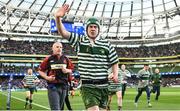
[[43, 48]]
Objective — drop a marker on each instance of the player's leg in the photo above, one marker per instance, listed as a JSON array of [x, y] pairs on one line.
[[93, 108], [31, 97], [65, 102], [123, 89], [138, 95], [27, 97], [68, 102], [140, 90], [62, 108], [148, 95], [153, 89], [119, 100], [109, 101], [158, 93]]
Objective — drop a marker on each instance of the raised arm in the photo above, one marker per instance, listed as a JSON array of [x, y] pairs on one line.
[[58, 15]]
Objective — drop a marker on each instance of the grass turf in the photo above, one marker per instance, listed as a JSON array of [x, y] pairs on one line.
[[168, 100]]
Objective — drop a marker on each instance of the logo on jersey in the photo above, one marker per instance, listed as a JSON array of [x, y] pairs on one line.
[[58, 66], [102, 51]]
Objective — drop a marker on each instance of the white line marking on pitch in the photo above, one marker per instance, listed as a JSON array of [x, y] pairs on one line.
[[25, 101]]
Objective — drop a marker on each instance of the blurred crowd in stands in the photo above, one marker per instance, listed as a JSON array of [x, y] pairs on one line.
[[31, 47], [12, 68], [37, 47], [152, 51]]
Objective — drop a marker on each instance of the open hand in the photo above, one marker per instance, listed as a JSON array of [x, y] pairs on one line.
[[62, 10]]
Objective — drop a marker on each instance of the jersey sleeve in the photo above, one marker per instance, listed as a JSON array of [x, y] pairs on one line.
[[113, 57], [74, 40], [70, 65], [44, 65]]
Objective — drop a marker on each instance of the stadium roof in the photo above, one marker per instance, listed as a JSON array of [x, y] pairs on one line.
[[120, 19]]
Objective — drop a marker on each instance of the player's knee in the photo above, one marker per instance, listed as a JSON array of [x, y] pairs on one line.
[[93, 108], [119, 97], [28, 96]]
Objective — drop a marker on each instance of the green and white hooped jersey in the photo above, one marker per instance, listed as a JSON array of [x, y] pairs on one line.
[[144, 77], [93, 59], [29, 80], [125, 75], [115, 86]]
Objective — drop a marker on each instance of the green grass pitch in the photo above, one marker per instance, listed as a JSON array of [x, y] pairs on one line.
[[168, 100]]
